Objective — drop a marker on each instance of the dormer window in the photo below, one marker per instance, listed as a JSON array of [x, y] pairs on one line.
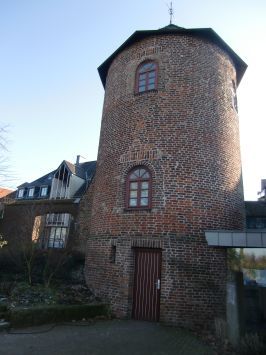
[[146, 78], [44, 191], [31, 192], [20, 193]]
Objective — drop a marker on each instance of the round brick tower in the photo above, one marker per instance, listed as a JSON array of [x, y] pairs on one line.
[[168, 169]]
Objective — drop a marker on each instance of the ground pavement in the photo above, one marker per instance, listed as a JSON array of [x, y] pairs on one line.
[[109, 337]]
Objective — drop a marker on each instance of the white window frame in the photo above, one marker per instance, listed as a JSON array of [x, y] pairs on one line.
[[57, 228], [58, 219], [58, 237], [31, 192], [20, 193], [41, 191]]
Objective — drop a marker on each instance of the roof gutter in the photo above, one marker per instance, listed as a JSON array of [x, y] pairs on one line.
[[236, 239]]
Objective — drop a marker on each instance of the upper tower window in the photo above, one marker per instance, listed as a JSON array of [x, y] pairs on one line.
[[146, 77], [139, 188], [234, 96]]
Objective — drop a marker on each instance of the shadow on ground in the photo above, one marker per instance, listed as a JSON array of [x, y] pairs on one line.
[[110, 337]]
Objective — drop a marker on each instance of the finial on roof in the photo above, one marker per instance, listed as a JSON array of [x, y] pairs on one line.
[[171, 12]]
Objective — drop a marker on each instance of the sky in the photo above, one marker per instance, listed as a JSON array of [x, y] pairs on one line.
[[51, 95]]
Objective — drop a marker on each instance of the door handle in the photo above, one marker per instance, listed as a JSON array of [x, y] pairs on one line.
[[158, 284]]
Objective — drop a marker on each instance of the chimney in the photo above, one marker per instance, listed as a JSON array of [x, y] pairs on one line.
[[263, 184], [77, 160]]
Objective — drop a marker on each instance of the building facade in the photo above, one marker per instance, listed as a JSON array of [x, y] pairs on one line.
[[168, 169], [46, 209]]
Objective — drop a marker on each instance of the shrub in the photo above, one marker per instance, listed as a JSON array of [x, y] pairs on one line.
[[26, 295], [57, 313]]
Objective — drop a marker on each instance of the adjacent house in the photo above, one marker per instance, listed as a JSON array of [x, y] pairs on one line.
[[68, 181], [46, 209], [4, 192], [5, 195]]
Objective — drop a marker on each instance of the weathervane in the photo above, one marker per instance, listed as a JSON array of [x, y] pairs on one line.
[[171, 12]]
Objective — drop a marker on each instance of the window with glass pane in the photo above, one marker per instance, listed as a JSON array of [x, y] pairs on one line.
[[44, 190], [139, 188], [147, 77], [31, 192], [21, 193], [57, 237]]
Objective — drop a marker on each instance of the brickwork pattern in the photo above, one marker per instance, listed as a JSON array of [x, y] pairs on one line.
[[192, 287], [187, 133], [191, 121], [84, 216]]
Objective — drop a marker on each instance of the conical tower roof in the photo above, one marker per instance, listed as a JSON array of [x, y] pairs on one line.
[[207, 33]]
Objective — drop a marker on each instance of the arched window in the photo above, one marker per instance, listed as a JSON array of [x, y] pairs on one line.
[[138, 188], [146, 78]]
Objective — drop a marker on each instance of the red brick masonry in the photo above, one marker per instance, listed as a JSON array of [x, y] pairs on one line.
[[187, 133]]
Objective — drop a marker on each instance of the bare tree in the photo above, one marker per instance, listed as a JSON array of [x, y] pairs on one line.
[[23, 243], [3, 159], [55, 260], [29, 246], [6, 174]]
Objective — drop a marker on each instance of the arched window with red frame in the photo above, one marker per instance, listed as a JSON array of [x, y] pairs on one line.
[[138, 194], [147, 77]]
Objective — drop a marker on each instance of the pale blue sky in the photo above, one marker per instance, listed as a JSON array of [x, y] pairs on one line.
[[51, 95]]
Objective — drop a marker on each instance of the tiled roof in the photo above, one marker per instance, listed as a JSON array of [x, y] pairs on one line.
[[84, 170], [44, 180], [88, 169], [4, 192]]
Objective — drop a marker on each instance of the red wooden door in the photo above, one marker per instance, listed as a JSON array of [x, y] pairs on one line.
[[147, 284]]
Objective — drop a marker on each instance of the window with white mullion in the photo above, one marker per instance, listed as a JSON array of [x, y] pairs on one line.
[[65, 219], [57, 237], [133, 197], [20, 193], [144, 193], [139, 188], [31, 192]]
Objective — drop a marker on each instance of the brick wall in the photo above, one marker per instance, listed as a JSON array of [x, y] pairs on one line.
[[192, 284], [84, 217], [187, 133]]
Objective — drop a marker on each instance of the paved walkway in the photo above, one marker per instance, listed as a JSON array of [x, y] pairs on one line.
[[115, 337]]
